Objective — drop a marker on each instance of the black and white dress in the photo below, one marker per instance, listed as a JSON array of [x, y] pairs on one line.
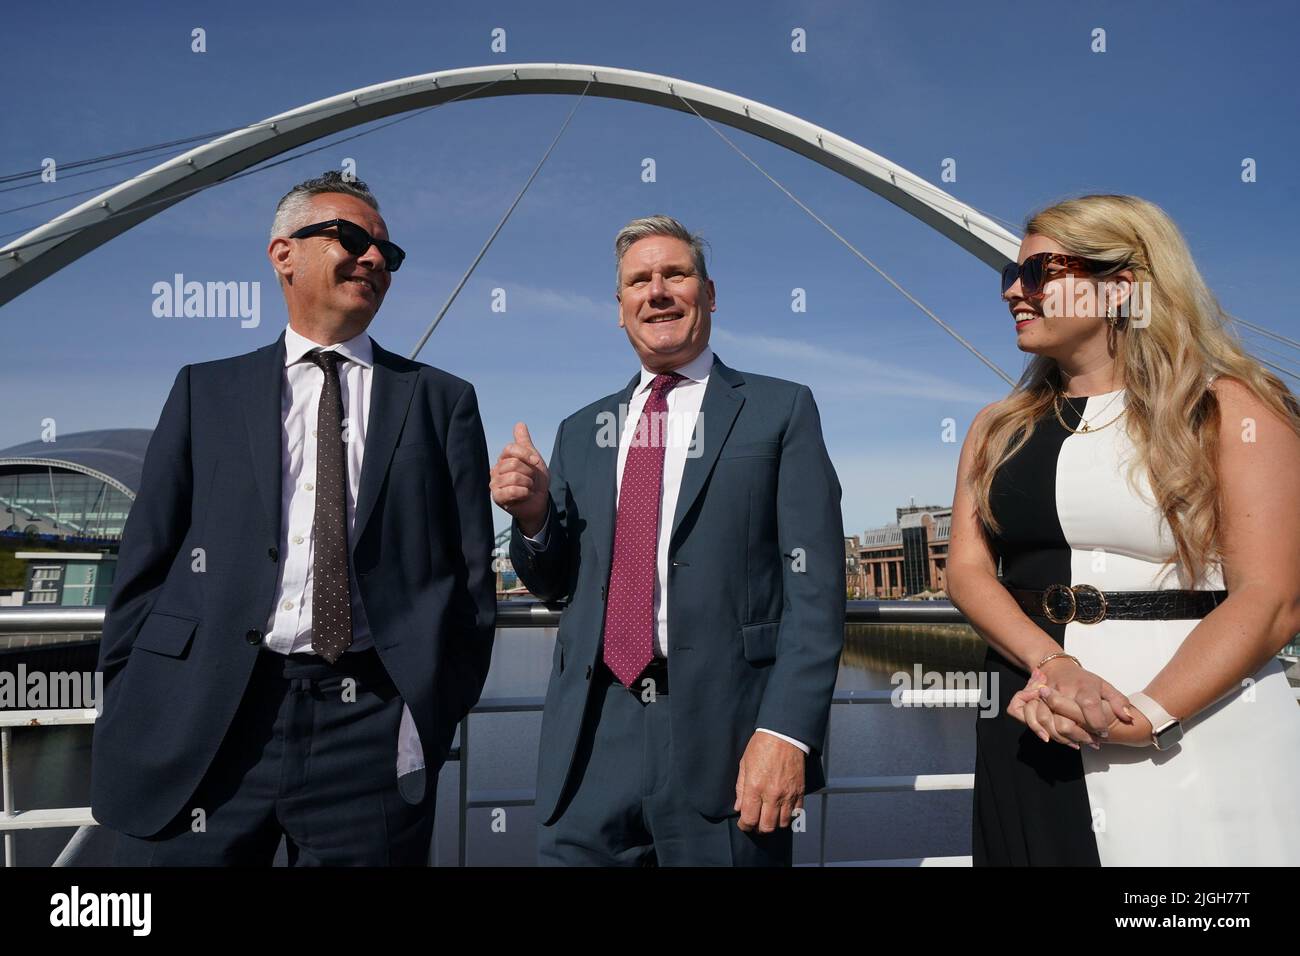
[[1228, 793]]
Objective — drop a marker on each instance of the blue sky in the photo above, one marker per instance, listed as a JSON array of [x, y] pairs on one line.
[[1012, 91]]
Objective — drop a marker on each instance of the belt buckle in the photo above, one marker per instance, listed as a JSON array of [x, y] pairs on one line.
[[1047, 603], [1101, 603]]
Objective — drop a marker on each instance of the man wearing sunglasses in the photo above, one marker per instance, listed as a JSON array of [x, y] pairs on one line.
[[304, 605]]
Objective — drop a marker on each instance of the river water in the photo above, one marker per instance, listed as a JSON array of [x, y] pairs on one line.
[[51, 765]]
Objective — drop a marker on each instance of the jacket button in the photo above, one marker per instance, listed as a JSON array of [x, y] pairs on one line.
[[273, 554], [254, 636]]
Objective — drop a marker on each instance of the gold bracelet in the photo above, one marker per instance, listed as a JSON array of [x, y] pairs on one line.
[[1052, 657]]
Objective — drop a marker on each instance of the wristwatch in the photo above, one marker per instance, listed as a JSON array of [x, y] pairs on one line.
[[1166, 731]]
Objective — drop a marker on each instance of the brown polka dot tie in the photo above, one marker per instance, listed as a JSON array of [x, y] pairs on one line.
[[331, 612], [629, 612]]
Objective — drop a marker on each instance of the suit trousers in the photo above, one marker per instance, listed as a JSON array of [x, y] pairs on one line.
[[624, 804], [311, 756]]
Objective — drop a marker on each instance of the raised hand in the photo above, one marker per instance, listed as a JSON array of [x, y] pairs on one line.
[[521, 482]]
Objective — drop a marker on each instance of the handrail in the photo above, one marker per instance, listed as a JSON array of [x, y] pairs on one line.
[[521, 613], [510, 613]]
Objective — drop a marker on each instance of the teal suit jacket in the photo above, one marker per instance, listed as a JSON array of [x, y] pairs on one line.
[[755, 571]]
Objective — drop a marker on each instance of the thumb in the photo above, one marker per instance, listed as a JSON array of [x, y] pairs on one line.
[[1119, 703], [522, 436]]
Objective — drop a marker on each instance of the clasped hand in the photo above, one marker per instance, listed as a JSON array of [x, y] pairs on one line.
[[1073, 706]]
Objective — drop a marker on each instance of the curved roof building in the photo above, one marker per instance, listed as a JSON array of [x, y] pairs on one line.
[[78, 487]]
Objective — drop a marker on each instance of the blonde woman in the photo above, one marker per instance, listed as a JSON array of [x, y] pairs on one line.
[[1140, 489]]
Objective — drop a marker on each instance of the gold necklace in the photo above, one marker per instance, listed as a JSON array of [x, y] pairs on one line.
[[1056, 407]]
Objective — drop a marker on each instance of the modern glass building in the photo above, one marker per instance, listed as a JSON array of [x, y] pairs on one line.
[[75, 489]]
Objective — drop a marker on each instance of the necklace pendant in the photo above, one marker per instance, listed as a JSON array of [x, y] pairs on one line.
[[1084, 428]]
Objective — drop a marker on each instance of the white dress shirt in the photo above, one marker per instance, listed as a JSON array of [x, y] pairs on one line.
[[684, 402], [289, 629]]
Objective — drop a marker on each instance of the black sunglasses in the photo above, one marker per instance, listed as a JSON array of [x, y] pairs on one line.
[[1032, 273], [356, 241]]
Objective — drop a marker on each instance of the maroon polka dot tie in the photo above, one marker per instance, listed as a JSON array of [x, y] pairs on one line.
[[331, 599], [629, 612]]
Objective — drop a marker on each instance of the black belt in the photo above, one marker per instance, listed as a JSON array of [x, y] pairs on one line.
[[656, 670], [1061, 603], [363, 666]]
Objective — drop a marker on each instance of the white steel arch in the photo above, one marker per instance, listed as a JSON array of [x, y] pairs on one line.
[[41, 252]]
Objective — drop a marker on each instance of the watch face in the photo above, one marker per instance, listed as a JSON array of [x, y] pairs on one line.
[[1169, 735]]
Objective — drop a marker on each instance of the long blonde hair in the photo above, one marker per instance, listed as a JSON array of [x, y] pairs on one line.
[[1172, 416]]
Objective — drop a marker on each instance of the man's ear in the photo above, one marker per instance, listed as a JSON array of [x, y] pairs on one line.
[[713, 296], [619, 299], [280, 252]]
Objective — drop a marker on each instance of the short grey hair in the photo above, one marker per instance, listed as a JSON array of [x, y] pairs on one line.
[[294, 209], [647, 226]]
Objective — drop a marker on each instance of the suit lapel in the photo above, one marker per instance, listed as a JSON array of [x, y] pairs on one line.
[[391, 388], [721, 405], [262, 379], [722, 402], [604, 471]]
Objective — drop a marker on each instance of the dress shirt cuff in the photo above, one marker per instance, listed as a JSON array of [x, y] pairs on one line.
[[538, 543], [790, 740]]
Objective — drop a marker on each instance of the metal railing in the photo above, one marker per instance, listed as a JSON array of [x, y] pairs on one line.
[[510, 614], [12, 819], [537, 614]]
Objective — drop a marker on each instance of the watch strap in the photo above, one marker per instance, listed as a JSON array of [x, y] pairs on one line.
[[1152, 711]]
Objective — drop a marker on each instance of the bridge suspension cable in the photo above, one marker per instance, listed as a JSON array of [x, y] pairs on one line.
[[857, 252], [135, 151], [80, 192], [1276, 368], [1256, 347], [1263, 331], [487, 245], [185, 194], [184, 141]]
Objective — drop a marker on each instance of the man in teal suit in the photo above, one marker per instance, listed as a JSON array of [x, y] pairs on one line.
[[692, 522]]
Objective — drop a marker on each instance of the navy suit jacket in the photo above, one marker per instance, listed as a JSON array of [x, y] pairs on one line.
[[179, 643], [755, 573]]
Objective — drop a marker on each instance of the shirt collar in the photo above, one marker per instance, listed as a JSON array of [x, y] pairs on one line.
[[357, 349], [697, 369]]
